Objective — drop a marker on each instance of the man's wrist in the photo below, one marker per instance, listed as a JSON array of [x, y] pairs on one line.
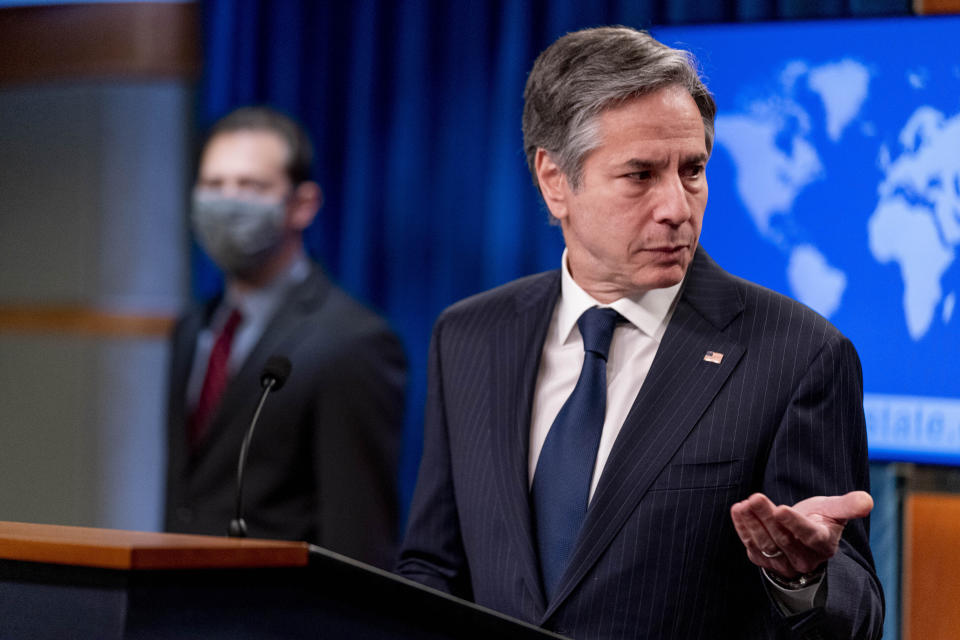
[[802, 581]]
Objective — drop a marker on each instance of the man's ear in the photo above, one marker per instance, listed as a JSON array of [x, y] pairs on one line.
[[553, 184], [306, 200]]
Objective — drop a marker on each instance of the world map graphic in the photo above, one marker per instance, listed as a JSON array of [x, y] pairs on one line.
[[916, 222], [835, 179]]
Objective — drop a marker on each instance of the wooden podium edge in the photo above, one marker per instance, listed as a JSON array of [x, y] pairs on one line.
[[165, 579], [139, 550]]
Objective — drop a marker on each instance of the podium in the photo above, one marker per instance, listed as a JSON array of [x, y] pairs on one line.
[[76, 582]]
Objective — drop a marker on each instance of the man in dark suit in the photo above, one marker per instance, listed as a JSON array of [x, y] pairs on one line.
[[323, 460], [611, 448]]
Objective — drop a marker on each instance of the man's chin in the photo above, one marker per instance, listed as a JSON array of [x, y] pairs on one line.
[[662, 277]]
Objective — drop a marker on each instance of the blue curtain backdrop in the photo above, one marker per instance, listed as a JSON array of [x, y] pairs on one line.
[[414, 108]]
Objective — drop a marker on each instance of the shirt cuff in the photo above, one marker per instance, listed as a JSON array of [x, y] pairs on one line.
[[793, 601]]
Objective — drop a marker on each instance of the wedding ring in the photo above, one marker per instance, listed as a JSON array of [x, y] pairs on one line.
[[775, 554]]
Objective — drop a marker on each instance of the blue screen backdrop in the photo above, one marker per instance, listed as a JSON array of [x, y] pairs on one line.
[[835, 179]]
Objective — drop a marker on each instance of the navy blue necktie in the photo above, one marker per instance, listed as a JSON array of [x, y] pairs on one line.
[[561, 483]]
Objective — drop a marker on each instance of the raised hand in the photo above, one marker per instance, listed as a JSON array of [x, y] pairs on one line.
[[791, 541]]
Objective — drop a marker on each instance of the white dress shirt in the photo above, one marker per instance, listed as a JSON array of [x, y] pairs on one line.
[[257, 308], [632, 349]]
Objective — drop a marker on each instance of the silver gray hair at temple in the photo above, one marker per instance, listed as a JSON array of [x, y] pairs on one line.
[[588, 71]]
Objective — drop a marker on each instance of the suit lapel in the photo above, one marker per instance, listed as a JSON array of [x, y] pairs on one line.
[[302, 300], [183, 354], [515, 358], [678, 389]]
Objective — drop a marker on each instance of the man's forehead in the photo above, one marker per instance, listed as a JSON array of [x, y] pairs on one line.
[[648, 127], [246, 149], [672, 103], [649, 158]]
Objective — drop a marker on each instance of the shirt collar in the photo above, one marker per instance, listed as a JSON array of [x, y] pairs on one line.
[[648, 311], [260, 303]]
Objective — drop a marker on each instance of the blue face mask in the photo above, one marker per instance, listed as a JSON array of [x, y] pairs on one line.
[[239, 234]]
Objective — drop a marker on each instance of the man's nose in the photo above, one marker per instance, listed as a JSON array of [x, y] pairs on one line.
[[230, 190], [671, 205]]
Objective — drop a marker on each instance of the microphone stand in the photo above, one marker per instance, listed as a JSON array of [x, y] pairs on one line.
[[238, 527]]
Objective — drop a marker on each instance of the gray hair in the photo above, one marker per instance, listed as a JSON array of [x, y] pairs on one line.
[[588, 71]]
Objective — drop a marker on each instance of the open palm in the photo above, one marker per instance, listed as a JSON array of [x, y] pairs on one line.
[[791, 541]]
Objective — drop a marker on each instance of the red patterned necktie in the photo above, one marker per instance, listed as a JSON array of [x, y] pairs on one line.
[[214, 382]]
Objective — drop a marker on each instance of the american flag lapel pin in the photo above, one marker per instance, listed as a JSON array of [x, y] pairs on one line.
[[713, 356]]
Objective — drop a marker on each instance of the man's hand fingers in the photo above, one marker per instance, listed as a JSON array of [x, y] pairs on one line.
[[767, 545], [765, 512], [798, 539], [790, 532], [810, 543], [751, 531], [856, 504], [819, 538]]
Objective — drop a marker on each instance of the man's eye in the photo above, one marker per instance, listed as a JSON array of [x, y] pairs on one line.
[[254, 186], [640, 176], [693, 171]]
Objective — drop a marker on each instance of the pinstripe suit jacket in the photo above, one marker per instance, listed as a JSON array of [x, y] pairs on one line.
[[657, 556]]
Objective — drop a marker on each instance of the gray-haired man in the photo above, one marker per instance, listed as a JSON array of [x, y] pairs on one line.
[[606, 444]]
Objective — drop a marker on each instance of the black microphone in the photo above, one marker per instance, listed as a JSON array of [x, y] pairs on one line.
[[275, 373]]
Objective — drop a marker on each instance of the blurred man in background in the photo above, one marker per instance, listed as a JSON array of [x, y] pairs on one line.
[[323, 461]]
